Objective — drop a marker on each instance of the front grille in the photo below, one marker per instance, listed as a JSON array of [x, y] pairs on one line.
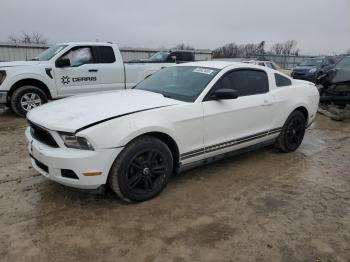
[[299, 73], [42, 135]]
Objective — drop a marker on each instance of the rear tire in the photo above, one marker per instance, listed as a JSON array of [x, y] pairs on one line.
[[292, 133], [142, 169], [26, 98]]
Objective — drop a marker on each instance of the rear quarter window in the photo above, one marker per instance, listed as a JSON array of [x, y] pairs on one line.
[[282, 81]]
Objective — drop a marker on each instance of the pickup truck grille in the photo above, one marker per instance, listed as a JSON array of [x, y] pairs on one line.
[[42, 135]]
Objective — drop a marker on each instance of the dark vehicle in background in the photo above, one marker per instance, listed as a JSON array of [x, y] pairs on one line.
[[312, 68], [178, 56], [334, 86]]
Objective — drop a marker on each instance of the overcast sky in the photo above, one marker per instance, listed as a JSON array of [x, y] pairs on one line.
[[319, 26]]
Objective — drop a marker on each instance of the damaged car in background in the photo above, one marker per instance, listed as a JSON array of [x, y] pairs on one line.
[[312, 68], [334, 88]]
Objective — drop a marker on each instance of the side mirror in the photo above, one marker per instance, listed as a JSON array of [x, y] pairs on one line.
[[62, 62], [221, 94], [173, 58]]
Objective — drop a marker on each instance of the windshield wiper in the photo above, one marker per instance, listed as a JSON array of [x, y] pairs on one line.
[[34, 59], [166, 96]]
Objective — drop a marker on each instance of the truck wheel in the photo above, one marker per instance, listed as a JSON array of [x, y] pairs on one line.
[[26, 98], [292, 133], [142, 169]]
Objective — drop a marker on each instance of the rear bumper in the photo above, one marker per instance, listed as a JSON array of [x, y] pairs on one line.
[[51, 162], [3, 97]]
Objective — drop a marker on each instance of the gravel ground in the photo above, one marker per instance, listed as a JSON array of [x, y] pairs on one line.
[[261, 206]]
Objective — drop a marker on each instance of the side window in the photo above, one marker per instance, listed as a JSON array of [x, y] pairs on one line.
[[79, 56], [271, 65], [261, 64], [224, 83], [105, 55], [282, 81], [187, 56], [250, 82], [245, 81]]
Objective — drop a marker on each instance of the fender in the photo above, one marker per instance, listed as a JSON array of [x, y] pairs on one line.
[[50, 83], [123, 130], [151, 129]]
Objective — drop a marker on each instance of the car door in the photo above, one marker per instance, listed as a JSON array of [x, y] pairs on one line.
[[81, 76], [108, 68], [235, 123]]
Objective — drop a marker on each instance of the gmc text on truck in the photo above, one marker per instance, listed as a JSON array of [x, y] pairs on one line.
[[68, 69]]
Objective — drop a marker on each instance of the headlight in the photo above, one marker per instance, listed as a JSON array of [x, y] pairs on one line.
[[2, 76], [77, 142], [313, 70]]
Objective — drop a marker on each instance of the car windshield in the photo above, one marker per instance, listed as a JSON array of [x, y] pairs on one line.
[[50, 53], [312, 62], [184, 83], [344, 63], [159, 57]]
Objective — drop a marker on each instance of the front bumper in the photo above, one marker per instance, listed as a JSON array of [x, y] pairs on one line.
[[3, 97], [50, 162]]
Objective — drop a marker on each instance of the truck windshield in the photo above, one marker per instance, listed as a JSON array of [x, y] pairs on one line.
[[344, 63], [184, 83], [312, 62], [50, 53], [159, 57]]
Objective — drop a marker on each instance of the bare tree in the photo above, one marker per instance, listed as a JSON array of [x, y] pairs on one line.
[[28, 38], [183, 46], [261, 48], [232, 50], [287, 48], [38, 38], [277, 49]]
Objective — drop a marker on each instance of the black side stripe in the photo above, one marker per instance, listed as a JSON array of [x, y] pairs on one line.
[[194, 152], [113, 117], [230, 143]]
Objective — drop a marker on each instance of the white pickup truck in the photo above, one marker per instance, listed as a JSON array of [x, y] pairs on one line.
[[68, 69]]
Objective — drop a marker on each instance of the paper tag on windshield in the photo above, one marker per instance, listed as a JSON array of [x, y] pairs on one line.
[[203, 71]]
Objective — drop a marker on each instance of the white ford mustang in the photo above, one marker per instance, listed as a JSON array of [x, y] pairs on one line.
[[180, 117]]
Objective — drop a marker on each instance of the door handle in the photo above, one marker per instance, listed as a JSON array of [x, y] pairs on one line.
[[93, 70]]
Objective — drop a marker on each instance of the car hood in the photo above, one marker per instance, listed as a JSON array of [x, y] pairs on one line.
[[303, 68], [19, 63], [78, 112]]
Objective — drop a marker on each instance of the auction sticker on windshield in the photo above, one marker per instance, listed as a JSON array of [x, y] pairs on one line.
[[203, 71]]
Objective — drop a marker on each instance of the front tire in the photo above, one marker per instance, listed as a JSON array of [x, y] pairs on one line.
[[26, 98], [292, 133], [142, 169]]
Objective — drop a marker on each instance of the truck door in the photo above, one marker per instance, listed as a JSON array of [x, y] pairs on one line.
[[81, 76], [109, 68]]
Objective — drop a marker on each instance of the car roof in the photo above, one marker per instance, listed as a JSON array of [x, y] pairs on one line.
[[222, 64], [214, 64], [87, 43]]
